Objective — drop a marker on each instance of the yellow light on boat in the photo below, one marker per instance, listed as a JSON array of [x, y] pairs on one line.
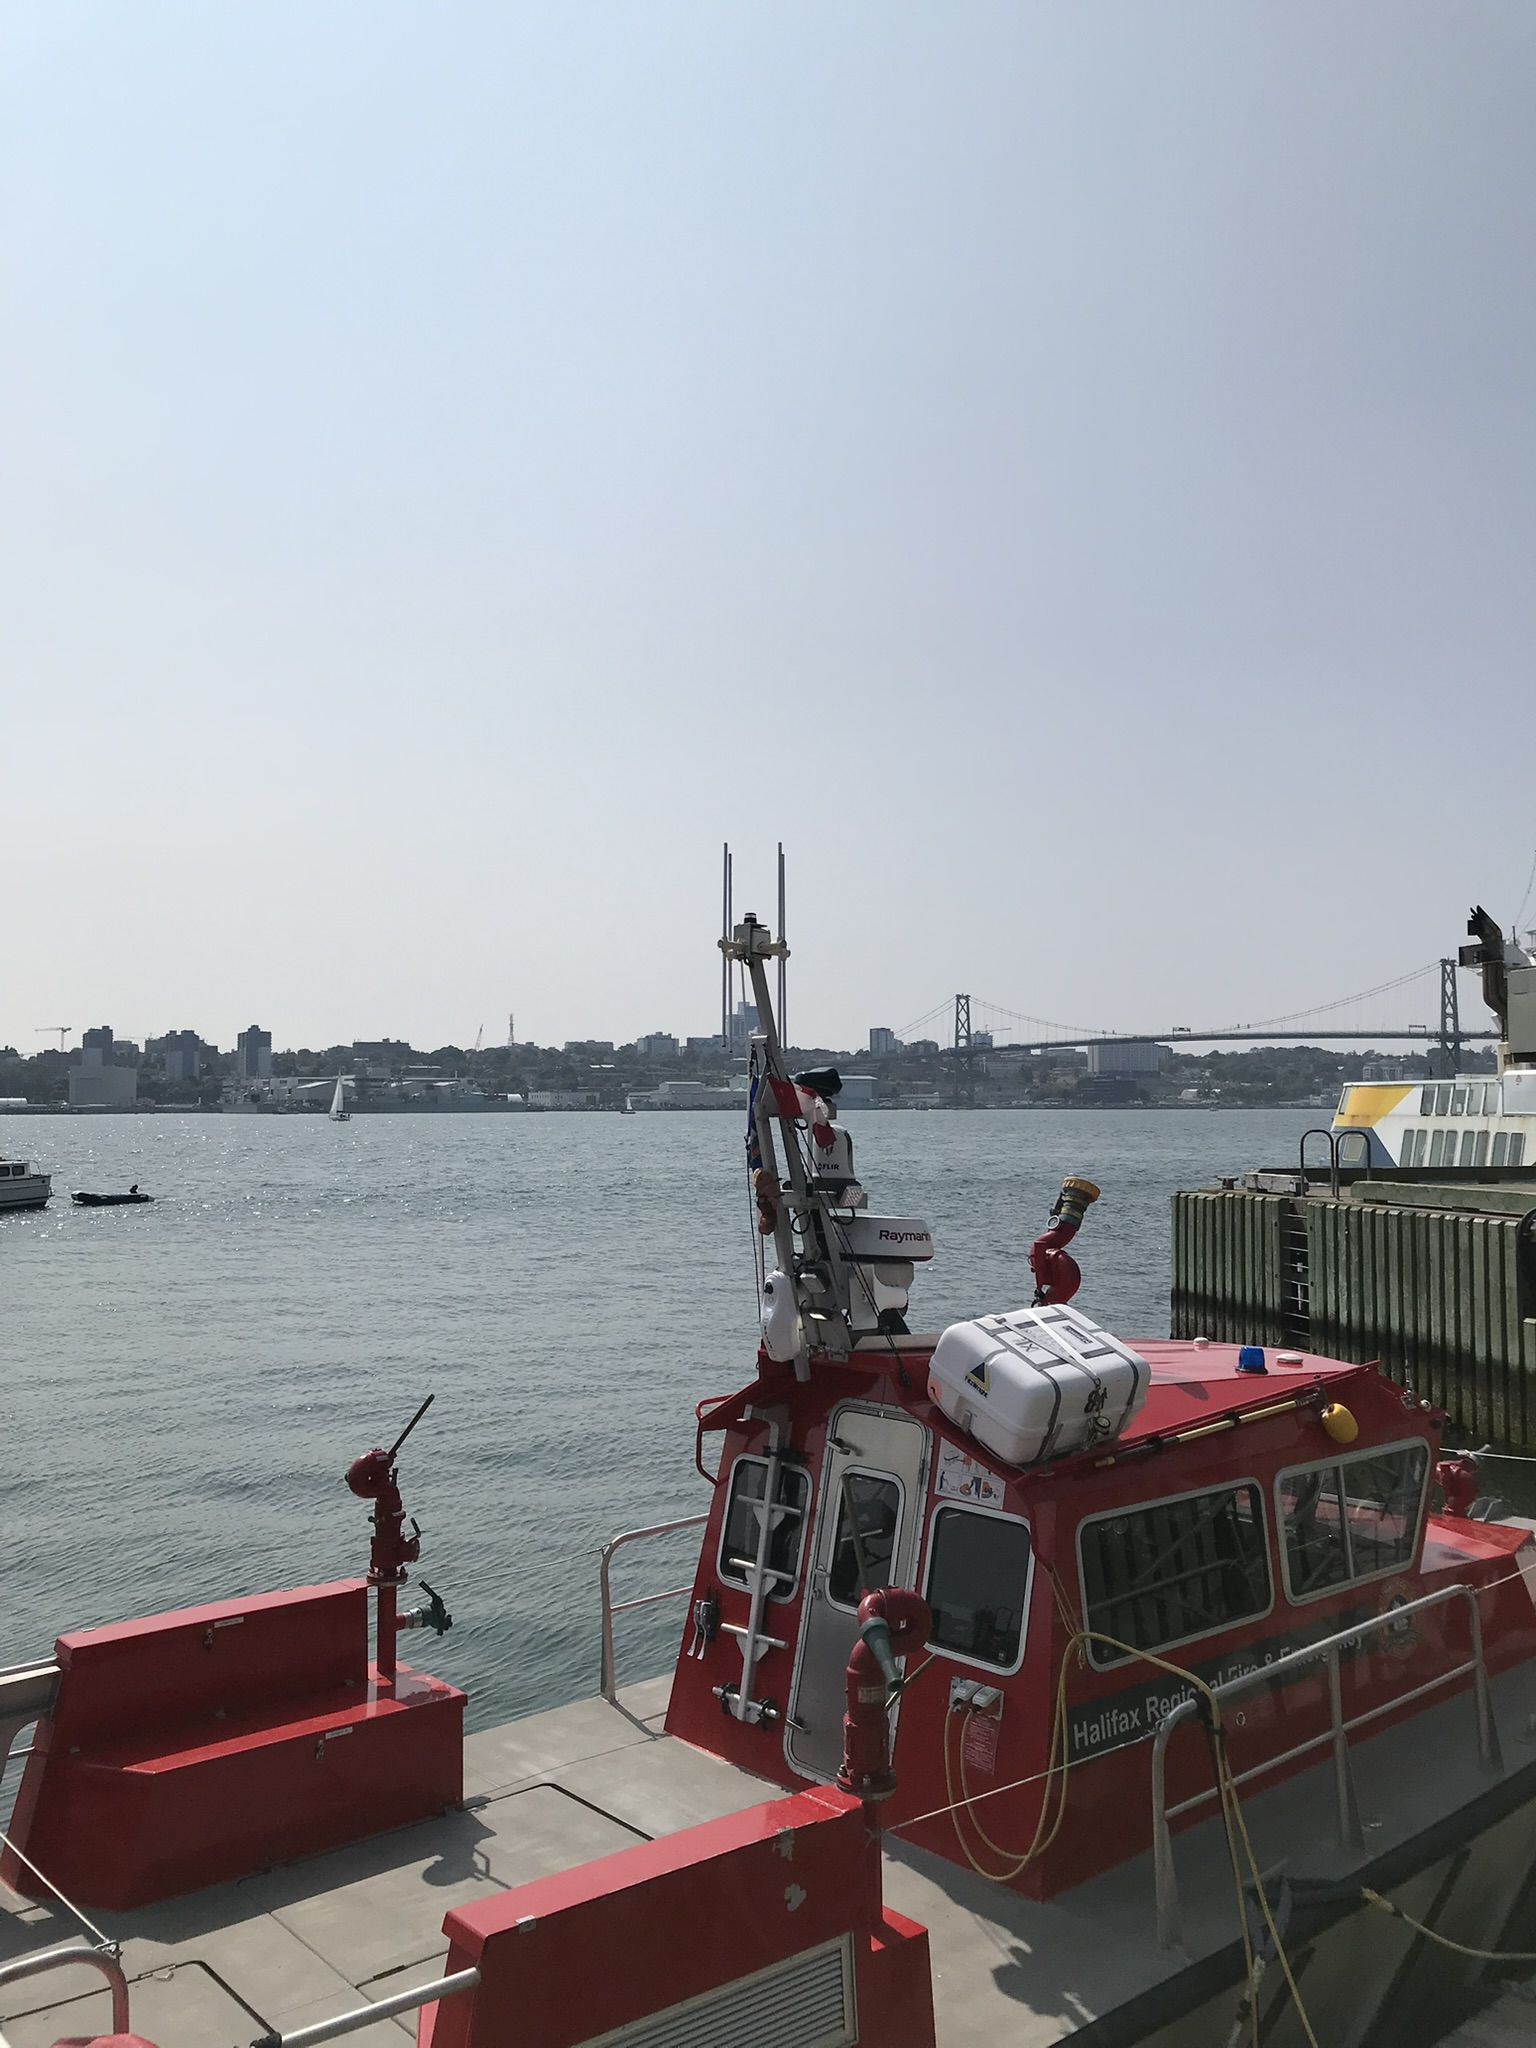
[[1339, 1423]]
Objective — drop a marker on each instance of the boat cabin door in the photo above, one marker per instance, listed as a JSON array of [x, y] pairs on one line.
[[868, 1532]]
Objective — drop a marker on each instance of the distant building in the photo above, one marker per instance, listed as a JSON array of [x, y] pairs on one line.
[[922, 1045], [98, 1082], [882, 1040], [705, 1045], [562, 1098], [181, 1055], [982, 1041], [743, 1024], [657, 1045], [1138, 1057], [253, 1054], [1387, 1070], [589, 1048], [689, 1095], [858, 1092]]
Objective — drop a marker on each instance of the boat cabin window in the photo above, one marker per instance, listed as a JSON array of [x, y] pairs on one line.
[[1468, 1146], [1174, 1570], [868, 1516], [1517, 1148], [1480, 1150], [1352, 1519], [978, 1586], [1443, 1100], [1501, 1148], [744, 1523], [1458, 1101]]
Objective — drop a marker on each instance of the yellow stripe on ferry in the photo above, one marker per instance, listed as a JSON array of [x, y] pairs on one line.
[[1365, 1106]]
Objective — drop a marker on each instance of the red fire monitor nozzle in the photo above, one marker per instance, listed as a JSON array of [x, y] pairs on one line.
[[892, 1624], [372, 1477]]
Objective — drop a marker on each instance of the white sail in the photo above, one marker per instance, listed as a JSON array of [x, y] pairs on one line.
[[339, 1103]]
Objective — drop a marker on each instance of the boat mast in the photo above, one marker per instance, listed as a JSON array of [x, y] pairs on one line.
[[819, 1275]]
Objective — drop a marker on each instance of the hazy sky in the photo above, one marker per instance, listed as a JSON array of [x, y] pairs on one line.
[[1067, 470]]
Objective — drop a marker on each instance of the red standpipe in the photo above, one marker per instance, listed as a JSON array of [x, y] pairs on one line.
[[372, 1477], [892, 1624]]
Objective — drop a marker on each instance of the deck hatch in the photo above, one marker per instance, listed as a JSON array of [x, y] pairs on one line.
[[805, 2002]]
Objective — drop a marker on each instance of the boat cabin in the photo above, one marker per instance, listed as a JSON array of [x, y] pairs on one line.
[[1257, 1504]]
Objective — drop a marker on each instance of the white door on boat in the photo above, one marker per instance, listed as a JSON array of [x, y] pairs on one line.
[[869, 1518]]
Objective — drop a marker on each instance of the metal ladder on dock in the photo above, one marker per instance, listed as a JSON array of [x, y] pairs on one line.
[[1295, 1276]]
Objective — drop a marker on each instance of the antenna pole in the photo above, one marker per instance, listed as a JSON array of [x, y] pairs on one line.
[[783, 957], [725, 933]]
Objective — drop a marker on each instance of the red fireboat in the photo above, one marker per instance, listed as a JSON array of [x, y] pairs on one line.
[[1035, 1686]]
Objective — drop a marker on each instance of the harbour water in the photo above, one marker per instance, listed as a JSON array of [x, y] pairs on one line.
[[184, 1384]]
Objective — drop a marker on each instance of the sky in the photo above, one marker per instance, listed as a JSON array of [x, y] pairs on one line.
[[1066, 470]]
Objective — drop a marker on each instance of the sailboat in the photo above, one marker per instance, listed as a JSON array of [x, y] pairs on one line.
[[340, 1114]]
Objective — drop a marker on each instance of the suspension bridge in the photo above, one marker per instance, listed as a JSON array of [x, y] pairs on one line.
[[974, 1025]]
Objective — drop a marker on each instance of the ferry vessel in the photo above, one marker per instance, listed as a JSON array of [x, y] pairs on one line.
[[1472, 1120], [1033, 1686]]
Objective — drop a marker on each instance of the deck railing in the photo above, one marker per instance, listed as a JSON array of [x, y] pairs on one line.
[[66, 1958], [608, 1680], [370, 2014], [1335, 1736]]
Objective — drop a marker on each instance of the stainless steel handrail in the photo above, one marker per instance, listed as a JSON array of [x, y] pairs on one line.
[[607, 1680], [62, 1959], [377, 2009], [1326, 1652]]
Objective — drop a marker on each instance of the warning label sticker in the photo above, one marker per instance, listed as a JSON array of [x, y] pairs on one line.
[[963, 1477]]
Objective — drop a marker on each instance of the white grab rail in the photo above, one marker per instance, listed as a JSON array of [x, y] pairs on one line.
[[607, 1680]]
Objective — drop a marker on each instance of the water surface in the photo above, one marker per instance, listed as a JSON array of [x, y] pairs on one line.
[[184, 1384]]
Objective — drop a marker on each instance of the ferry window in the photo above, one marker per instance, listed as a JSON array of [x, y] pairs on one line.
[[1351, 1520], [868, 1516], [1426, 1102], [1468, 1146], [744, 1522], [978, 1575], [1480, 1150], [1501, 1148], [1517, 1148], [1175, 1570], [1458, 1101], [1413, 1150], [1437, 1149], [1442, 1101]]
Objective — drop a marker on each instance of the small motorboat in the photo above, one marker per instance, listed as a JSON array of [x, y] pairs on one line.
[[111, 1201]]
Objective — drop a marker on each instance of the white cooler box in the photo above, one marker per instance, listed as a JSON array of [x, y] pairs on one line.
[[1037, 1383]]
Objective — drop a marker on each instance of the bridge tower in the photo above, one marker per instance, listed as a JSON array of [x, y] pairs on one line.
[[1450, 1019], [965, 1055]]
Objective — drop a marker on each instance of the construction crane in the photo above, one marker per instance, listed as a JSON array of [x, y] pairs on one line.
[[479, 1038], [47, 1031]]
